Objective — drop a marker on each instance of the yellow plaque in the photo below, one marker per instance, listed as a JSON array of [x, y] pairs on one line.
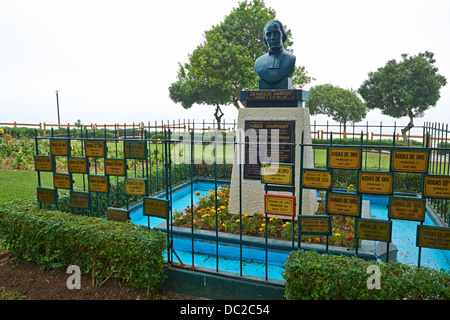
[[115, 167], [46, 195], [136, 186], [43, 163], [315, 225], [437, 187], [156, 208], [59, 147], [344, 204], [62, 181], [95, 149], [78, 165], [98, 184], [317, 179], [344, 158], [276, 174], [407, 209], [79, 199], [116, 214], [371, 229], [433, 237], [279, 205], [409, 161], [134, 150], [375, 182]]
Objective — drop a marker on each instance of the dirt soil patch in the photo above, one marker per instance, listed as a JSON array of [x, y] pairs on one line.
[[25, 280]]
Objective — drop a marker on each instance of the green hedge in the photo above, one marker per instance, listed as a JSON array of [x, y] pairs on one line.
[[102, 248], [310, 275]]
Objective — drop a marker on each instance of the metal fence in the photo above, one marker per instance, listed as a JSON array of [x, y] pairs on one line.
[[94, 172]]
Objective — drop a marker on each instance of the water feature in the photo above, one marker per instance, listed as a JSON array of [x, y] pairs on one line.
[[181, 198], [403, 236]]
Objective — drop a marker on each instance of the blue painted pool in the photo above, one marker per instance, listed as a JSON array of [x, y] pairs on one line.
[[180, 199], [403, 236]]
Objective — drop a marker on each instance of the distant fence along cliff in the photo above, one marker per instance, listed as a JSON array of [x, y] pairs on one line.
[[318, 131]]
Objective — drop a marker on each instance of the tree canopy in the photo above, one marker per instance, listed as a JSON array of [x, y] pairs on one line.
[[340, 104], [405, 88], [223, 65]]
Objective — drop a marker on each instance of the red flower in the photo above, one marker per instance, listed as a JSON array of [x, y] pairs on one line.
[[9, 141], [349, 238]]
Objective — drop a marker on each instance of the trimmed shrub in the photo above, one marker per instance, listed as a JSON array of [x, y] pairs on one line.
[[312, 276], [103, 248]]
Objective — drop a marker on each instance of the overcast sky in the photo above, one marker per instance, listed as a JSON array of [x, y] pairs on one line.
[[113, 61]]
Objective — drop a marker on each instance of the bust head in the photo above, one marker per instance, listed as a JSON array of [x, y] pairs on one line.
[[274, 35], [275, 67]]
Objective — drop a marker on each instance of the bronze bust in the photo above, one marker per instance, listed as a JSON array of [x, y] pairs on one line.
[[275, 68]]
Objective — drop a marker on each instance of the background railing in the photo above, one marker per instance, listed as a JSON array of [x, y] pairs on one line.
[[318, 131]]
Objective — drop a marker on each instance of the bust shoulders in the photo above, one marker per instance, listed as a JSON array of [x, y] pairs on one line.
[[273, 75]]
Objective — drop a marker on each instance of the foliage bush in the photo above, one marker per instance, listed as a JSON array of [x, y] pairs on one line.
[[103, 248], [310, 275]]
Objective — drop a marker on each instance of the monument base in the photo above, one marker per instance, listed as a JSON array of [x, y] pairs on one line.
[[252, 200], [274, 98]]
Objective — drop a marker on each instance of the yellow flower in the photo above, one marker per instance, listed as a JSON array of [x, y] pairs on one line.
[[263, 224], [1, 131], [337, 234], [238, 220]]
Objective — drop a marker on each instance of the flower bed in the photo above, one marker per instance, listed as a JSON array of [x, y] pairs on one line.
[[209, 214]]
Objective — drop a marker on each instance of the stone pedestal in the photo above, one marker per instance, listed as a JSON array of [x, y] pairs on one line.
[[252, 189]]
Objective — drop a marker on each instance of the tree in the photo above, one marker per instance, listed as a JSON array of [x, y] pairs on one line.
[[341, 104], [223, 65], [405, 88]]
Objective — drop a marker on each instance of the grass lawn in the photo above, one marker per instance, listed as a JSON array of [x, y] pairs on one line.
[[19, 185]]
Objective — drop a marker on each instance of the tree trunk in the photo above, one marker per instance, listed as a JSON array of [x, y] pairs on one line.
[[345, 130], [408, 127], [218, 114]]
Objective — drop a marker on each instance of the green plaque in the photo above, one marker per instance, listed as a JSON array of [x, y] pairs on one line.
[[81, 200], [46, 195], [156, 207], [134, 149], [116, 214]]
